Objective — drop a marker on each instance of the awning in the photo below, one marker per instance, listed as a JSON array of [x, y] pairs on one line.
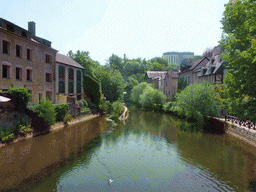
[[4, 99]]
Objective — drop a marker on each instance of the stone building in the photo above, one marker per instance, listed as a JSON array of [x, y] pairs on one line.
[[209, 68], [26, 60], [69, 78], [177, 57], [165, 81]]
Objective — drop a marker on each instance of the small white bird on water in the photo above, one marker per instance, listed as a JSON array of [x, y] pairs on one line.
[[110, 181]]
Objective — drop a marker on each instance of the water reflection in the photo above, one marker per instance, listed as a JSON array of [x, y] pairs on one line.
[[146, 154]]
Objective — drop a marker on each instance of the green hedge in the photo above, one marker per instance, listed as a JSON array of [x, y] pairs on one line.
[[22, 97], [93, 87]]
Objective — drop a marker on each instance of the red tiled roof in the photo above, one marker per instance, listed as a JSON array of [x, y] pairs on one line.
[[64, 59]]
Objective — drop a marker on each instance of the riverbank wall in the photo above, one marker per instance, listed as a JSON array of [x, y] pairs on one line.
[[240, 132]]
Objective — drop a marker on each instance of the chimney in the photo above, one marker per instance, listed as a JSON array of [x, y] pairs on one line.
[[32, 28]]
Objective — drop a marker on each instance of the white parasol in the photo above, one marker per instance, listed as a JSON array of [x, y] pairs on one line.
[[4, 99]]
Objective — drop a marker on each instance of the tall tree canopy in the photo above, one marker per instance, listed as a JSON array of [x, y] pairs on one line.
[[239, 50]]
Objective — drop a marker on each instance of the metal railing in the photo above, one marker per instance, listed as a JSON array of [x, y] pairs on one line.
[[245, 123]]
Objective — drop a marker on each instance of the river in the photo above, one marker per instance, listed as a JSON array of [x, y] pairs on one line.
[[146, 154]]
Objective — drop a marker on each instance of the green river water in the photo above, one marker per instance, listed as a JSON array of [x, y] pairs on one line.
[[148, 153]]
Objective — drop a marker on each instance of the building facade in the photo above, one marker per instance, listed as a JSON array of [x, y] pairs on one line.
[[165, 81], [177, 57], [69, 78], [209, 68], [26, 61]]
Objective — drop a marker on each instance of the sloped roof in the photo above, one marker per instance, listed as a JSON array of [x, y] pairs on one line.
[[64, 59], [161, 74], [197, 62]]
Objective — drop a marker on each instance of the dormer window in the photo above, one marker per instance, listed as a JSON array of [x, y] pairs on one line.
[[23, 33], [212, 61], [9, 27]]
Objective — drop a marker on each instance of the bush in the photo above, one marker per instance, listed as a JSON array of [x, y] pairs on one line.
[[167, 107], [45, 110], [85, 103], [92, 86], [67, 118], [117, 109], [22, 97], [6, 134], [151, 98], [137, 91], [61, 110], [199, 97]]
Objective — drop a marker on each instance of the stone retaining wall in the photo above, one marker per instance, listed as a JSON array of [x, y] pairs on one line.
[[248, 135]]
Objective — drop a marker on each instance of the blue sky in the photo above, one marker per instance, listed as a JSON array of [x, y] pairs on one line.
[[137, 28]]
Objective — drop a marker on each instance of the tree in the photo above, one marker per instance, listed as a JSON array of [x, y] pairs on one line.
[[159, 60], [200, 97], [112, 82], [83, 58], [239, 55], [154, 66], [115, 62], [151, 97], [22, 96], [137, 91]]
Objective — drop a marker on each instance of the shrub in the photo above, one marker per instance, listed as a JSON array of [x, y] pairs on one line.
[[6, 134], [92, 86], [137, 91], [67, 118], [45, 110], [199, 97], [167, 107], [21, 120], [151, 98], [85, 103], [22, 97], [61, 110], [117, 109]]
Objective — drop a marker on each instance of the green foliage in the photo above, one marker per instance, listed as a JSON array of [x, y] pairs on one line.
[[85, 103], [159, 60], [131, 82], [6, 134], [152, 99], [83, 58], [238, 43], [61, 110], [182, 83], [67, 118], [137, 91], [167, 107], [21, 120], [92, 86], [24, 129], [112, 83], [200, 97], [102, 107], [155, 66], [46, 110], [117, 109], [115, 62], [22, 97]]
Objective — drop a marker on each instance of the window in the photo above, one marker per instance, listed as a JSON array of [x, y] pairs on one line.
[[49, 95], [61, 87], [48, 58], [18, 51], [6, 71], [18, 73], [28, 54], [29, 75], [24, 34], [61, 72], [78, 97], [70, 87], [48, 77], [78, 82], [10, 27], [70, 74], [6, 47]]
